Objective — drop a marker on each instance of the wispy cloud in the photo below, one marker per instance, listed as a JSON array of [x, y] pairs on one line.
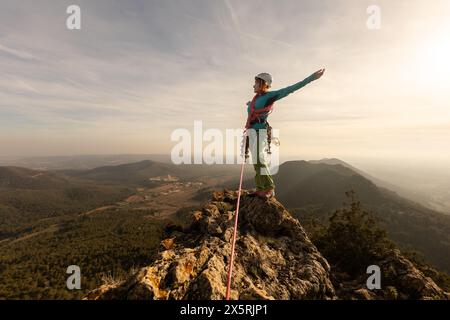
[[16, 53], [22, 85]]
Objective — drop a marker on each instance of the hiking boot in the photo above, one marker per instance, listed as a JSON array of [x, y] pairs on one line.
[[265, 194], [254, 193], [268, 193]]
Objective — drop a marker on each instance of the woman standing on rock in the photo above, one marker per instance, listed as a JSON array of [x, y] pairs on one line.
[[258, 111]]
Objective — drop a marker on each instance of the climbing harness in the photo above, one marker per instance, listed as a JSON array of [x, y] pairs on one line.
[[257, 115], [260, 116]]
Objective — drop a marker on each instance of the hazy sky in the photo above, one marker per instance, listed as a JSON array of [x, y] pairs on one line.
[[139, 69]]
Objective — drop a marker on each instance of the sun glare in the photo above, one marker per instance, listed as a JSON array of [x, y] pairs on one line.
[[433, 62]]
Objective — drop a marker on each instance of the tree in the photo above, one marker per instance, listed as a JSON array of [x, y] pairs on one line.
[[352, 240]]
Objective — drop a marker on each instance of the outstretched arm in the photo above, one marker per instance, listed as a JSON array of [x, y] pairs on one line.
[[279, 94]]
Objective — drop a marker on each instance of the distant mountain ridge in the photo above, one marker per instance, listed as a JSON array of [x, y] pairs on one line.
[[126, 173], [140, 172], [24, 178], [79, 162], [403, 191]]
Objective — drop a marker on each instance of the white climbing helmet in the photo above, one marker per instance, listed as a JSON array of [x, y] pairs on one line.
[[266, 77]]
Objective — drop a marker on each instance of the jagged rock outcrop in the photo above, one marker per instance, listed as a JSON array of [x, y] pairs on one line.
[[398, 272], [400, 280], [274, 257], [274, 260]]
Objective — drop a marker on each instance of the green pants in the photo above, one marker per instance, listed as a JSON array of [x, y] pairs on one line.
[[257, 143]]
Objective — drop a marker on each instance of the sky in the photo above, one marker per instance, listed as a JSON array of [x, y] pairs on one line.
[[138, 70]]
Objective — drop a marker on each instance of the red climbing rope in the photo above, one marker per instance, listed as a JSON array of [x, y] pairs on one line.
[[230, 267]]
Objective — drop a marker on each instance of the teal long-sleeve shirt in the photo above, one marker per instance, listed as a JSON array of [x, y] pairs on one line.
[[270, 97]]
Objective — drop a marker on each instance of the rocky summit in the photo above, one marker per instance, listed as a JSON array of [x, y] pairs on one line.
[[274, 259]]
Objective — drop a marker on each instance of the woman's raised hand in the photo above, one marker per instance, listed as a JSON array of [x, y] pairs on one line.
[[316, 75]]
